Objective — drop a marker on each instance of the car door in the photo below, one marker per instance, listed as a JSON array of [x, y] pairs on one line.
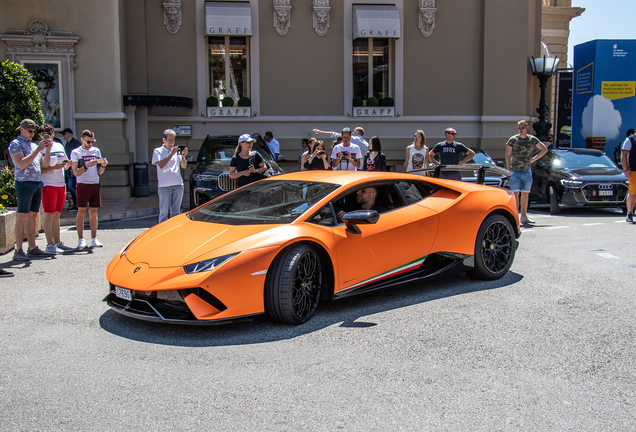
[[541, 171], [402, 235]]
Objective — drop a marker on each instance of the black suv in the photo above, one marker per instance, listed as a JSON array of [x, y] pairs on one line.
[[211, 175]]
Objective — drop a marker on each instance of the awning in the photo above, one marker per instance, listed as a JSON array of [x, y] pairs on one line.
[[382, 21], [228, 18]]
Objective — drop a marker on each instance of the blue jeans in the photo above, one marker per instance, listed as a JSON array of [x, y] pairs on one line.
[[71, 181], [170, 198], [521, 181]]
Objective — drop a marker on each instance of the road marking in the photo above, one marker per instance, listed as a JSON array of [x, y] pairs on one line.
[[592, 224], [557, 227], [607, 255], [620, 221]]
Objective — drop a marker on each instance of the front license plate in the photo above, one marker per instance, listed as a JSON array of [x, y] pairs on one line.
[[606, 192], [123, 293]]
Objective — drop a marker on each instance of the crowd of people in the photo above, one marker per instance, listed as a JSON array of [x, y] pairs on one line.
[[41, 179]]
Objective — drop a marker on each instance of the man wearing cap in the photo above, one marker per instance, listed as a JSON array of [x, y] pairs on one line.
[[168, 158], [449, 154], [346, 155], [28, 164], [71, 144], [88, 165], [246, 165], [357, 138]]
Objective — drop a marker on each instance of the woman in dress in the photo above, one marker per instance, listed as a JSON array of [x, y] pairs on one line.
[[246, 166], [374, 160], [317, 159], [416, 154]]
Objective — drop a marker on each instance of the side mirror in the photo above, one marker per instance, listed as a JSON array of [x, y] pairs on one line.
[[359, 217], [501, 164], [281, 158]]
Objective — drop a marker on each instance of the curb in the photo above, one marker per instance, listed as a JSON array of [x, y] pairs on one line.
[[108, 217]]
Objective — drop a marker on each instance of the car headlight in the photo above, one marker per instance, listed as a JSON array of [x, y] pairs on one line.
[[205, 177], [207, 265], [571, 183]]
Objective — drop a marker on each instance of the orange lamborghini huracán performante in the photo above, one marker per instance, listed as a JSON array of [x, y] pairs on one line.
[[280, 245]]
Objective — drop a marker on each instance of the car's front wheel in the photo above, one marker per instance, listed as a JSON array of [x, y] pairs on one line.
[[293, 285], [494, 248], [553, 199]]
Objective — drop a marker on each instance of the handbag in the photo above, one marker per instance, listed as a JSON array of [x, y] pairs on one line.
[[269, 172]]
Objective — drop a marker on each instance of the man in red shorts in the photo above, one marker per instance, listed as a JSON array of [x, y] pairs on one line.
[[88, 165], [54, 191]]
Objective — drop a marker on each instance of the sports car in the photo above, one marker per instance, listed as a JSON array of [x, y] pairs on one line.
[[281, 245]]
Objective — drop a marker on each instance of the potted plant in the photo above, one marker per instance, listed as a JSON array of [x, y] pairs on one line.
[[387, 101], [227, 102], [358, 102], [372, 102], [212, 102], [244, 101]]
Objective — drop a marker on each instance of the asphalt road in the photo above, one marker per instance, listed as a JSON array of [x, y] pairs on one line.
[[551, 346]]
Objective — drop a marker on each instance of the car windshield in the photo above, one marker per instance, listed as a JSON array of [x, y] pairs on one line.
[[221, 151], [482, 159], [264, 202], [582, 160]]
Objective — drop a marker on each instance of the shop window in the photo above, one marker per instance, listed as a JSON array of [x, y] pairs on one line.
[[228, 67], [372, 68]]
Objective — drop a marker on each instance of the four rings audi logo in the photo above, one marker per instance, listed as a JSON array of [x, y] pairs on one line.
[[606, 186]]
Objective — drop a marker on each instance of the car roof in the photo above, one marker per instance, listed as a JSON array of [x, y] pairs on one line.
[[579, 151]]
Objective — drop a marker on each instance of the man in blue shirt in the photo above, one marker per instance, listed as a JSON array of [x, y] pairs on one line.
[[28, 161], [71, 144]]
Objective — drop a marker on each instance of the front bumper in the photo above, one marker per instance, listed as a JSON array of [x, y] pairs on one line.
[[591, 195]]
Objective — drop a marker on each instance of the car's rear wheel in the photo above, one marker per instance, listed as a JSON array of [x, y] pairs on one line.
[[293, 285], [494, 248], [553, 199]]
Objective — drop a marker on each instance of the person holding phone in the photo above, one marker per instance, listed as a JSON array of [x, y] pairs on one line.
[[245, 165], [28, 162], [168, 158], [54, 191], [88, 165]]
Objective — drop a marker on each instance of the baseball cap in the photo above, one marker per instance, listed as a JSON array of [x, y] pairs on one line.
[[67, 130], [245, 137], [27, 123]]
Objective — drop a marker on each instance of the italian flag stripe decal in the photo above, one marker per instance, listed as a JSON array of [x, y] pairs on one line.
[[396, 271]]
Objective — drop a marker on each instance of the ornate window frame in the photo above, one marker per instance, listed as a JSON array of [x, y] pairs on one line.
[[38, 44]]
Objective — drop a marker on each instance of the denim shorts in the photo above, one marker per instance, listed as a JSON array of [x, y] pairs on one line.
[[29, 195], [521, 181]]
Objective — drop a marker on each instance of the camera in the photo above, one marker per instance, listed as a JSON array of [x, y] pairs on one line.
[[345, 153], [46, 136], [320, 152], [181, 147]]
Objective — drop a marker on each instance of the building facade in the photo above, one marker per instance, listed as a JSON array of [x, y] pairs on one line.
[[128, 69]]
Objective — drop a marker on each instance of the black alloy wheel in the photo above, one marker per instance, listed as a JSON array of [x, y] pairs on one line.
[[494, 248], [553, 199], [293, 285]]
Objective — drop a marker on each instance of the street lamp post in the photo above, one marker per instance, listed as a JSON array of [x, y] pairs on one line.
[[543, 68]]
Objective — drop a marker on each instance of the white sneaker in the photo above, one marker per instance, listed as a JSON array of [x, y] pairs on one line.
[[95, 243], [53, 249], [62, 246], [81, 244]]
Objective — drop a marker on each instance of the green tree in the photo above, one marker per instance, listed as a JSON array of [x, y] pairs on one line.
[[19, 99]]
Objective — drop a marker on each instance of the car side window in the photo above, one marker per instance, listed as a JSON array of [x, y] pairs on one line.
[[323, 217], [411, 192]]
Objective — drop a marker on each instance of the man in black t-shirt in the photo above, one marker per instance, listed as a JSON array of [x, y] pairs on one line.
[[449, 154]]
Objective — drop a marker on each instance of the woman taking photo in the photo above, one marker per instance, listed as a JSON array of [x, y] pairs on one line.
[[317, 158], [374, 160], [305, 155], [416, 154], [244, 165]]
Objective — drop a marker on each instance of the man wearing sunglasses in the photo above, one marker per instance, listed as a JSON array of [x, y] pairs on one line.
[[88, 165], [28, 164], [449, 154]]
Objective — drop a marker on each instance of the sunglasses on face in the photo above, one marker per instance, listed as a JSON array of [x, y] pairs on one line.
[[89, 142]]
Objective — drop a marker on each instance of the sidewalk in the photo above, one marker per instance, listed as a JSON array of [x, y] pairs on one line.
[[112, 210]]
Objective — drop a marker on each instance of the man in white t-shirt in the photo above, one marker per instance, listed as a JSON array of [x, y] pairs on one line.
[[54, 192], [346, 156], [168, 158], [272, 143], [357, 138], [88, 165]]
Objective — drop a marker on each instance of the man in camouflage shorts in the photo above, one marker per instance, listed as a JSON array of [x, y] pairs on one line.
[[519, 149]]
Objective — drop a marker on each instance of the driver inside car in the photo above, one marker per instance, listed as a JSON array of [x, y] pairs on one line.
[[366, 200]]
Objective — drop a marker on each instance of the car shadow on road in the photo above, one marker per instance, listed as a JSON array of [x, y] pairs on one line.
[[353, 312]]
